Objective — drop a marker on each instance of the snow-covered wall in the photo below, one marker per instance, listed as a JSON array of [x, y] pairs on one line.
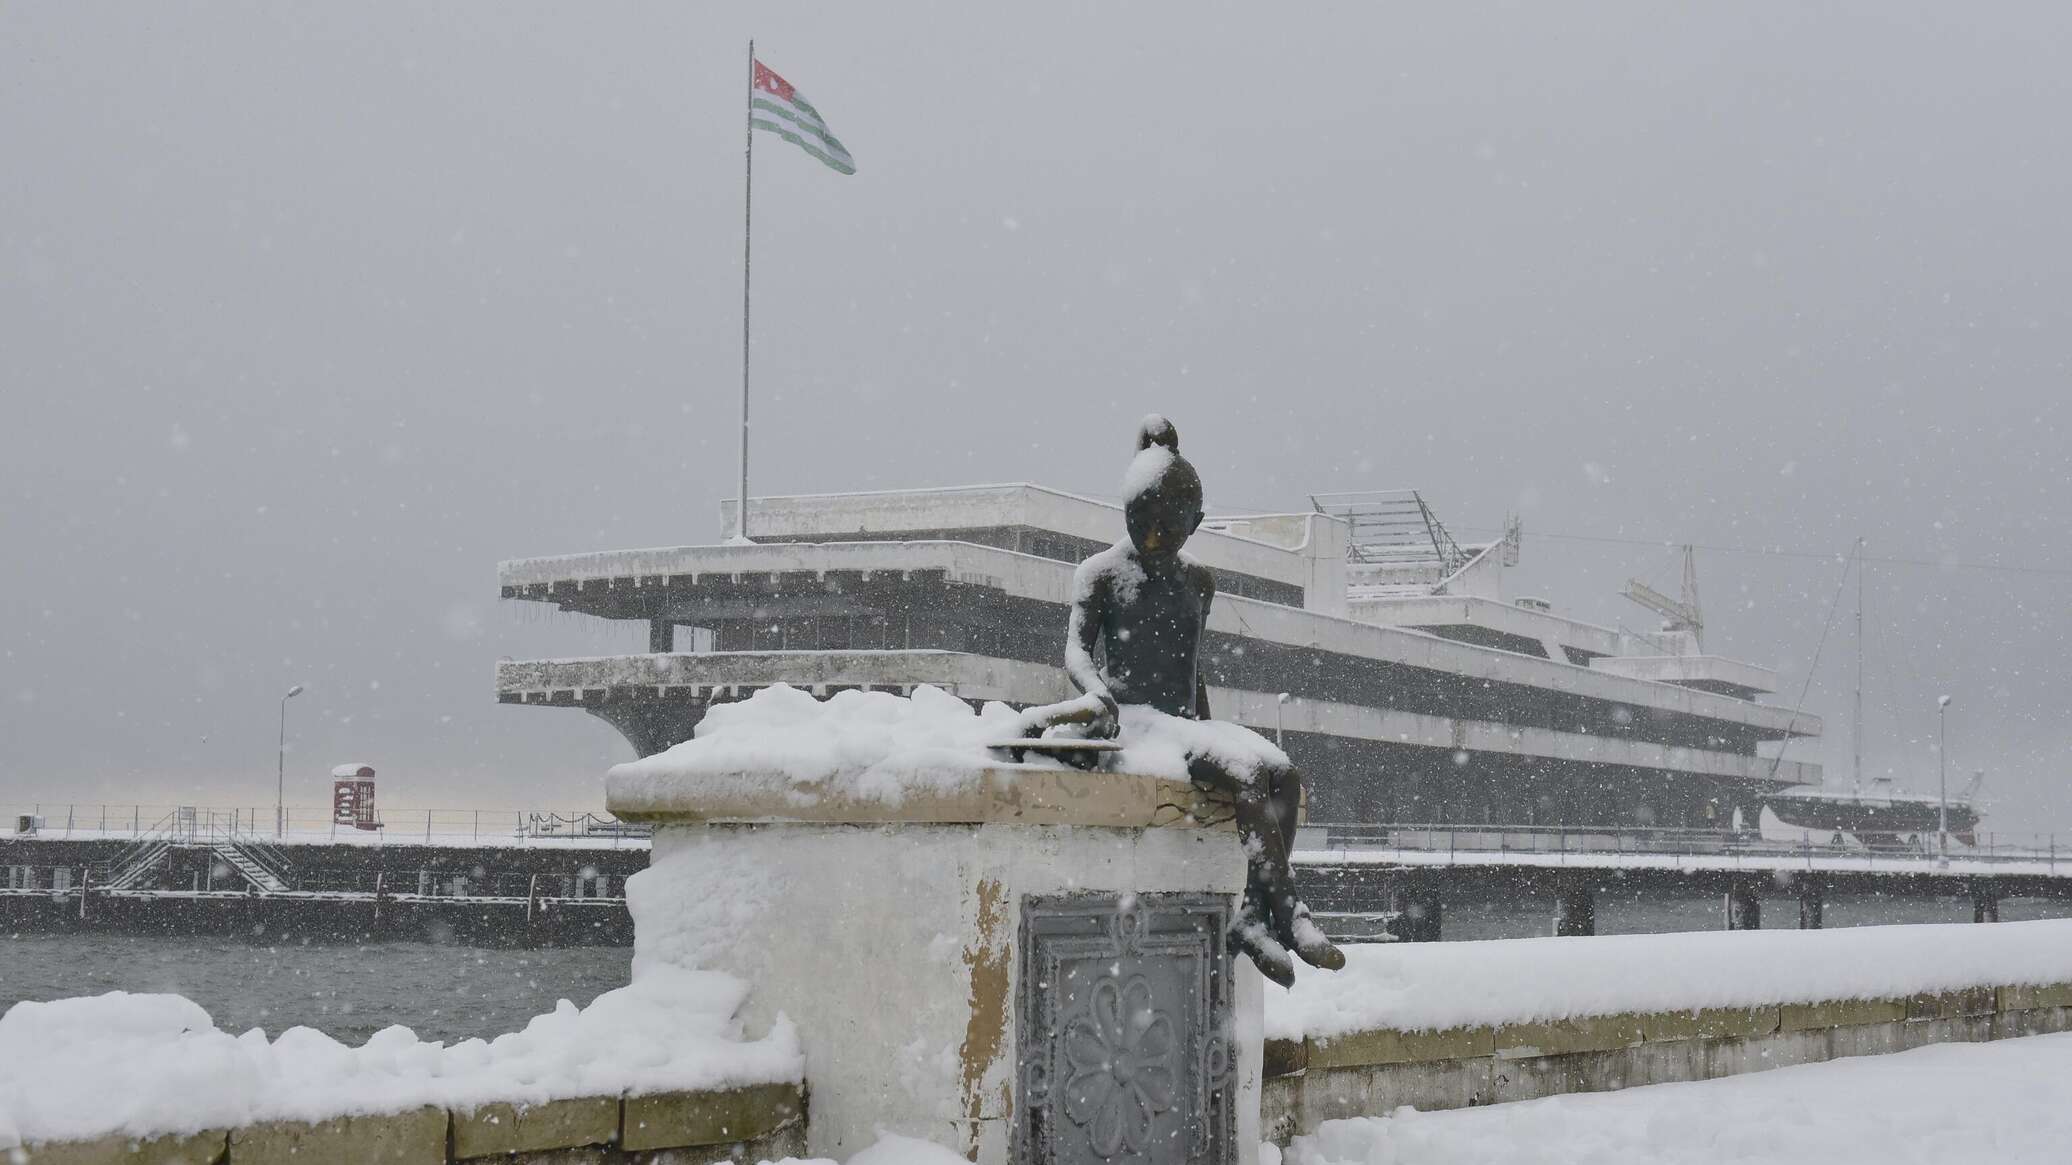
[[151, 1065], [1432, 986]]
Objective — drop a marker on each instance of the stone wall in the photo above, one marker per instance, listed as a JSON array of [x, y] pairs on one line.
[[673, 1128], [1372, 1073]]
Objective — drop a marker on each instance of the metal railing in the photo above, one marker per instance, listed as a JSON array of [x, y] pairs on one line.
[[304, 824], [1662, 842], [262, 863]]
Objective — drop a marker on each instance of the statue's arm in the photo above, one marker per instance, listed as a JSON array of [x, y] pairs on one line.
[[1083, 637], [1083, 630], [1096, 705]]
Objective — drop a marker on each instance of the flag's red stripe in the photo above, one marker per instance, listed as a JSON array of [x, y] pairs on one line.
[[770, 82]]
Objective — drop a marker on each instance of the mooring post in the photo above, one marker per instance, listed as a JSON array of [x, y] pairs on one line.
[[1744, 911], [1985, 902], [1575, 909], [1812, 903]]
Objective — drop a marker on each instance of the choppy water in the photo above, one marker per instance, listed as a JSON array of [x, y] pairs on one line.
[[449, 992], [349, 992]]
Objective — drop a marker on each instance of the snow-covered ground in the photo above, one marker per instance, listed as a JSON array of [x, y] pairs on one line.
[[1419, 986], [158, 1064], [2009, 1103]]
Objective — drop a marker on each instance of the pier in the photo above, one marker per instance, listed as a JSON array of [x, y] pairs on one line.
[[1404, 875], [529, 879], [514, 878]]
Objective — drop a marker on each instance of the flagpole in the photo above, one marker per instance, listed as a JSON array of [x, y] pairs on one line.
[[747, 237]]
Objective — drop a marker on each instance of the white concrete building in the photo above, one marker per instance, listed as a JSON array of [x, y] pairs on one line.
[[1416, 690]]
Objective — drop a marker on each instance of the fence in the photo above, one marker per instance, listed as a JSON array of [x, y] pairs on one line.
[[1583, 839], [304, 824]]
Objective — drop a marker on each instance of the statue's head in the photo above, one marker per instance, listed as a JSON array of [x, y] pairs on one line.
[[1161, 493]]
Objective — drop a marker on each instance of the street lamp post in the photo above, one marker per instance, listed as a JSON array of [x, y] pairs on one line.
[[1279, 702], [280, 773], [1942, 781]]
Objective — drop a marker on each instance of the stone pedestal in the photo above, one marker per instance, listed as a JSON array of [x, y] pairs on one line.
[[1028, 967]]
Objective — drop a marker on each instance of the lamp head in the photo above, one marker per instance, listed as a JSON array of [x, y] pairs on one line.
[[294, 691]]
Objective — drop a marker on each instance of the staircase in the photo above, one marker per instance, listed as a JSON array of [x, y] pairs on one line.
[[255, 871], [262, 864], [134, 863]]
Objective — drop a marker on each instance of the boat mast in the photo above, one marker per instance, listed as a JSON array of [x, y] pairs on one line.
[[1856, 729]]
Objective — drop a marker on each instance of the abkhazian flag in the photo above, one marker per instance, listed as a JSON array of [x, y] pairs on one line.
[[775, 106]]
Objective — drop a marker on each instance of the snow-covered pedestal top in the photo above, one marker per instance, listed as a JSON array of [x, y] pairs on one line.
[[872, 757]]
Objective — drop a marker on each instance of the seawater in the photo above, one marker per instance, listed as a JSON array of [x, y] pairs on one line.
[[448, 992], [349, 992]]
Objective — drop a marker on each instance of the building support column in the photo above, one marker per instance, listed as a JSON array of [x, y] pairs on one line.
[[1985, 902], [1575, 909], [1812, 903], [1430, 922], [661, 636], [1743, 909]]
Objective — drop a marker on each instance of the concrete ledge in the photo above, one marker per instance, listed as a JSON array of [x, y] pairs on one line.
[[1595, 1033], [661, 1129], [1709, 1023], [2027, 998], [1283, 1058], [497, 1130], [1798, 1017], [417, 1137], [195, 1149], [1398, 1047], [671, 1120], [1953, 1004]]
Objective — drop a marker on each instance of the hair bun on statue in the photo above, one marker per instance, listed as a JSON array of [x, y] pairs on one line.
[[1158, 469], [1154, 429]]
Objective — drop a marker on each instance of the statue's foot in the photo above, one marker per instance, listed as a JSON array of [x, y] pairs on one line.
[[1251, 938], [1309, 942]]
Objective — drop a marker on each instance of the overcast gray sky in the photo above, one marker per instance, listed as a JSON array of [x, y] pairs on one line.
[[309, 314]]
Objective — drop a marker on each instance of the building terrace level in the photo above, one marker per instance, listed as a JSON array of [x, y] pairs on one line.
[[684, 584]]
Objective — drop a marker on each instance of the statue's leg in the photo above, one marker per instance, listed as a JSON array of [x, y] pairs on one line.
[[1271, 797], [1284, 787], [1305, 937], [1268, 915]]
